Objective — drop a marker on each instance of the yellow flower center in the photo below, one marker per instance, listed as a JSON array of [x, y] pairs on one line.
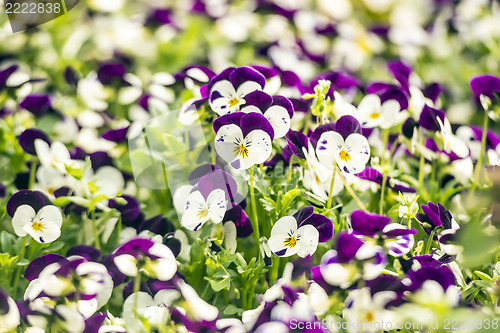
[[290, 242], [202, 213], [37, 226], [369, 317], [241, 149], [344, 155], [234, 101], [375, 115]]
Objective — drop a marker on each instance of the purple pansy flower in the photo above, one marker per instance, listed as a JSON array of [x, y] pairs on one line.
[[38, 104], [350, 261], [278, 110], [243, 140], [229, 88], [378, 230], [485, 84], [345, 146], [377, 177], [300, 233]]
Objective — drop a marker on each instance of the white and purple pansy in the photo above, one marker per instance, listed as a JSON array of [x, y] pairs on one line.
[[33, 214], [9, 313], [300, 233], [143, 255], [229, 88], [243, 139], [376, 229], [373, 113], [317, 177], [345, 146], [277, 109], [350, 261]]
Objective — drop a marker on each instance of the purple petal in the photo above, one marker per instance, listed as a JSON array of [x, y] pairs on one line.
[[379, 87], [432, 91], [316, 134], [201, 171], [93, 323], [243, 74], [88, 252], [218, 179], [25, 197], [70, 76], [116, 135], [267, 71], [37, 265], [173, 243], [5, 74], [323, 224], [441, 274], [347, 125], [401, 73], [485, 84], [303, 214], [347, 246], [110, 72], [368, 224], [129, 211], [285, 103], [28, 137], [224, 75], [158, 224], [259, 99], [397, 95], [99, 159], [290, 79], [228, 119], [255, 121], [401, 232], [428, 118], [297, 141], [4, 302], [38, 104], [238, 216]]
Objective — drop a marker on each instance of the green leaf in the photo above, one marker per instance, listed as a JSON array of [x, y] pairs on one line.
[[232, 310], [219, 284], [53, 247], [483, 276], [268, 203], [287, 200]]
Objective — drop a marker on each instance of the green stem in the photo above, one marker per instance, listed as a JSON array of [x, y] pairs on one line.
[[330, 196], [137, 287], [17, 276], [94, 229], [32, 174], [431, 239], [274, 269], [479, 163], [255, 222], [350, 190], [382, 193], [385, 139]]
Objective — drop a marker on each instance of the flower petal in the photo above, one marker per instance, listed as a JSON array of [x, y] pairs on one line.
[[216, 203], [24, 215], [329, 145], [280, 120], [227, 140], [50, 214], [308, 237]]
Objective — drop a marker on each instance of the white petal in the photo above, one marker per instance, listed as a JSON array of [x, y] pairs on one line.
[[246, 88], [225, 88], [280, 120], [250, 108], [216, 203], [24, 215], [369, 104], [192, 219], [259, 146], [180, 198], [43, 152], [71, 319], [227, 139], [359, 152], [126, 264], [308, 240], [390, 110], [230, 236], [329, 145], [284, 228], [49, 233], [50, 214], [164, 269], [284, 225], [109, 181]]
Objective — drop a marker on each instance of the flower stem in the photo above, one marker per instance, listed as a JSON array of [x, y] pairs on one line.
[[330, 196], [18, 270], [350, 190], [94, 228], [32, 174], [479, 163], [382, 193], [274, 269], [255, 221], [137, 287]]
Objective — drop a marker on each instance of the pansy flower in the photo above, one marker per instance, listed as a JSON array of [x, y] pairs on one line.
[[155, 259], [378, 230], [350, 261], [300, 233], [9, 313], [278, 110], [373, 113], [345, 146], [229, 88], [243, 140], [317, 177], [56, 155]]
